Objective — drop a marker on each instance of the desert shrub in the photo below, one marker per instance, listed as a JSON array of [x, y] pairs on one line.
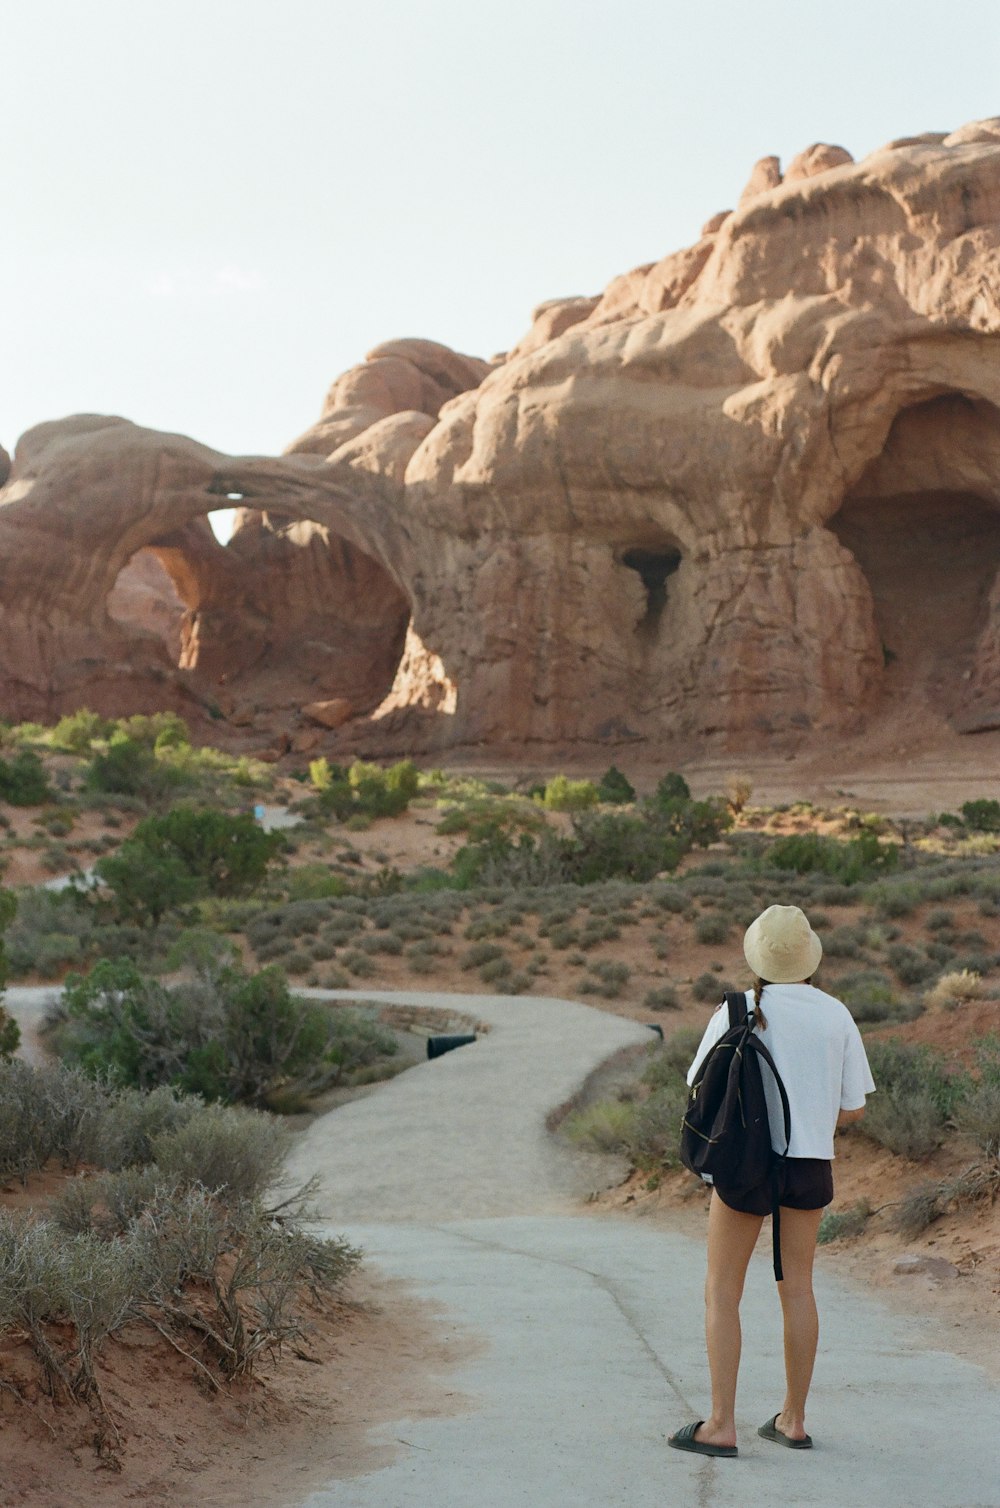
[[739, 789], [911, 965], [596, 931], [495, 924], [614, 788], [978, 1113], [481, 953], [693, 824], [979, 1117], [10, 1035], [940, 921], [602, 1127], [146, 885], [225, 1035], [835, 895], [360, 964], [129, 767], [668, 898], [496, 971], [78, 730], [608, 845], [606, 978], [857, 859], [920, 1207], [23, 781], [842, 942], [236, 1151], [601, 846], [44, 1112], [298, 919], [918, 1092], [712, 928], [864, 988], [674, 1058], [313, 882], [707, 988], [382, 792], [952, 990], [840, 1225], [664, 998], [671, 788], [226, 855], [125, 1133], [565, 795], [654, 1136], [382, 942], [297, 961], [892, 899], [983, 815]]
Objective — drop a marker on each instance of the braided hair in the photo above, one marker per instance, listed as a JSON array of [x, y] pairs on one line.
[[759, 986], [758, 990]]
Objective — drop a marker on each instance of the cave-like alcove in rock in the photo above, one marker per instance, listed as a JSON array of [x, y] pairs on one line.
[[930, 559], [653, 566]]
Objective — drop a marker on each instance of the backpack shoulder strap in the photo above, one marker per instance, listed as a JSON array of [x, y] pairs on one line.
[[762, 1052], [736, 1002]]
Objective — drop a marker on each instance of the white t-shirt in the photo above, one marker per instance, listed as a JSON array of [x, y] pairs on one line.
[[818, 1051]]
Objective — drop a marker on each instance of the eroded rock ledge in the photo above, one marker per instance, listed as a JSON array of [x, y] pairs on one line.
[[750, 491]]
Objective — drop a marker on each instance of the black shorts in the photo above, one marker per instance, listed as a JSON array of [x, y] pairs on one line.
[[805, 1183]]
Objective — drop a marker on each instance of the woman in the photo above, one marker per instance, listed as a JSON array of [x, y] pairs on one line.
[[818, 1052]]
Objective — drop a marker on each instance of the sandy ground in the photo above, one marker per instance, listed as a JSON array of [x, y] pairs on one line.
[[378, 1355], [384, 1355]]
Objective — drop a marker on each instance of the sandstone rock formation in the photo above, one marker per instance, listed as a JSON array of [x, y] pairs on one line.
[[751, 492]]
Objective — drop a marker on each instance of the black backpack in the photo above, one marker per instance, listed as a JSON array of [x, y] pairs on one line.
[[726, 1132]]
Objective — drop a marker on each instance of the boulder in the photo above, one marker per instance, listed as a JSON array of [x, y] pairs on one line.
[[330, 714]]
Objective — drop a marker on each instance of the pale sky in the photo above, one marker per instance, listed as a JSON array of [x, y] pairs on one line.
[[211, 208]]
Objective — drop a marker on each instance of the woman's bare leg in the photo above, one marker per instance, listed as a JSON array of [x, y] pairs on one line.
[[798, 1248], [731, 1239]]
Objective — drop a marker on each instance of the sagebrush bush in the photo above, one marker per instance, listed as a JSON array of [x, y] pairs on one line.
[[920, 1207], [606, 978], [918, 1093], [480, 954], [707, 988], [664, 998], [840, 1225], [910, 965], [228, 1150], [711, 928], [673, 1058]]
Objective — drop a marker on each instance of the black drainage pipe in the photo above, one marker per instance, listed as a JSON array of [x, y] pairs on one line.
[[654, 1026], [438, 1045]]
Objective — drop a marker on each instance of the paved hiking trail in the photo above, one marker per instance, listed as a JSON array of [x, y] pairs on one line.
[[592, 1325]]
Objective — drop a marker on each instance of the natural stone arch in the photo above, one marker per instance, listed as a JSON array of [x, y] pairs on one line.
[[247, 603]]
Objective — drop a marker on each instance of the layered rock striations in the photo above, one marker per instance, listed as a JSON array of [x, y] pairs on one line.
[[750, 492]]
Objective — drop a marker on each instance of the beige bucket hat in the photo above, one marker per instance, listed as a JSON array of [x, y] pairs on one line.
[[780, 945]]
